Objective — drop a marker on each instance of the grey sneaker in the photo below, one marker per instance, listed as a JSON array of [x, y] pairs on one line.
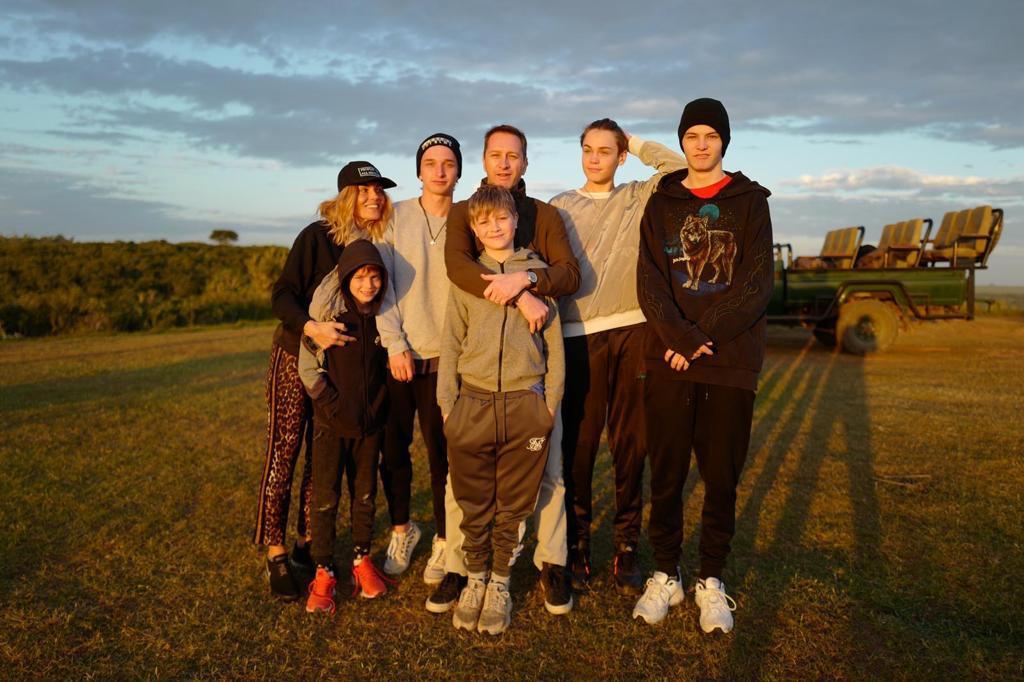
[[400, 550], [497, 609], [471, 601]]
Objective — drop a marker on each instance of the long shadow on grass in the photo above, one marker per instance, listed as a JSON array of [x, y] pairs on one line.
[[119, 385], [828, 414]]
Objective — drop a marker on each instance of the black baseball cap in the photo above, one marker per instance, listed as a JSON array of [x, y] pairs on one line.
[[362, 173]]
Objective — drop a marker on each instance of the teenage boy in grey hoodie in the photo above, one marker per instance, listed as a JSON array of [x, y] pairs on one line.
[[499, 385], [410, 323], [604, 332]]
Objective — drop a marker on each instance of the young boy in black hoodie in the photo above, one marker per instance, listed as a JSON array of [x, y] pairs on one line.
[[704, 278], [349, 392]]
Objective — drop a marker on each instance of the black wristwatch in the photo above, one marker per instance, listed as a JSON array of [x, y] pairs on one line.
[[532, 276]]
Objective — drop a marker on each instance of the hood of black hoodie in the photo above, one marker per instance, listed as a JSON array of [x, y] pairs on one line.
[[672, 185], [354, 256]]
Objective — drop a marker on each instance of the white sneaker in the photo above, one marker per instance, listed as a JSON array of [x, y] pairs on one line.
[[660, 592], [497, 610], [715, 605], [400, 550], [433, 572], [471, 601]]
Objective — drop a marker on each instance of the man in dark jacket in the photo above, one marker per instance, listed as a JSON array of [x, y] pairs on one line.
[[540, 228], [704, 278]]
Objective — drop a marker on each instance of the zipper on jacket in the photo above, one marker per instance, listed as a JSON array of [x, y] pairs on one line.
[[501, 342], [366, 378]]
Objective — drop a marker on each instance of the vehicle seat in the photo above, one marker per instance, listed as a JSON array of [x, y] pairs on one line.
[[899, 247], [963, 237], [838, 251]]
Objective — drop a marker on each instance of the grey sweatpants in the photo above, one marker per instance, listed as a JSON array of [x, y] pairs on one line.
[[497, 450]]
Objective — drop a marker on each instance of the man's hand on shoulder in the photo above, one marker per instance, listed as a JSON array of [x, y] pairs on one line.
[[534, 310]]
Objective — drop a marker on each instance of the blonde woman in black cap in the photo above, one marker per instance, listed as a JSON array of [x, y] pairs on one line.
[[361, 209]]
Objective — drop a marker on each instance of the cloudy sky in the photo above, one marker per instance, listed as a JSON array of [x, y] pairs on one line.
[[141, 120]]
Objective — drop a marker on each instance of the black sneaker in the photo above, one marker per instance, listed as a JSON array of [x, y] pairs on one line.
[[579, 559], [626, 571], [302, 559], [282, 582], [557, 594], [447, 593]]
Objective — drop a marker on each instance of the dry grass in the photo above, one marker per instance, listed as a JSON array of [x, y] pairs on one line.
[[880, 527]]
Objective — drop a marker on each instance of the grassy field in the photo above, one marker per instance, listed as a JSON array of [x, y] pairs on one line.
[[880, 527]]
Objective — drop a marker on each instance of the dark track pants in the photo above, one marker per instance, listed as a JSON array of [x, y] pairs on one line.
[[604, 384], [497, 449], [715, 422], [405, 400], [289, 413], [357, 459]]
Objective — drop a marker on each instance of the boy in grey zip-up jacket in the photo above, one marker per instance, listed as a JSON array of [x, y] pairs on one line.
[[498, 388]]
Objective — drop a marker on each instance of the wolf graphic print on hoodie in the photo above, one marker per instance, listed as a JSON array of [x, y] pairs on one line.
[[704, 273]]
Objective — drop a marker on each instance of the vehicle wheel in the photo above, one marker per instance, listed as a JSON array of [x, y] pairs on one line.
[[825, 333], [866, 327]]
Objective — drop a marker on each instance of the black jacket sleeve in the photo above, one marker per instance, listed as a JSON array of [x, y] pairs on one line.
[[288, 295], [752, 282], [654, 289]]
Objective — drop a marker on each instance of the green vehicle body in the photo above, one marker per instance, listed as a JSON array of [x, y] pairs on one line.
[[813, 296], [862, 310]]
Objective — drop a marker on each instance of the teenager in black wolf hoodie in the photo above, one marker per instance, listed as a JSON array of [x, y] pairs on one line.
[[704, 278]]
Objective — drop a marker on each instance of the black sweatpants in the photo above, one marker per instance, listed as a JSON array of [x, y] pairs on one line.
[[604, 384], [357, 458], [405, 400], [498, 446], [715, 422]]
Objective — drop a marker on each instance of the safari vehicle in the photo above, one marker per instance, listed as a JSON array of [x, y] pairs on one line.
[[860, 297]]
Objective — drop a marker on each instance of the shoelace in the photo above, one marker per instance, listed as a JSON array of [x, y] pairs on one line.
[[371, 571], [399, 545], [436, 554], [659, 595], [500, 598], [718, 597], [472, 596], [328, 585]]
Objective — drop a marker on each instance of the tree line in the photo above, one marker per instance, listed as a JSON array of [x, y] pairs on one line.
[[54, 285]]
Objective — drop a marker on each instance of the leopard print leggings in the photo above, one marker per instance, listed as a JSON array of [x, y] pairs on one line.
[[288, 425]]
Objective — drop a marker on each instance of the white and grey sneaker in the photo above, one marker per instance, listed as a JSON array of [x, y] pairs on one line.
[[660, 592], [471, 601], [433, 572], [497, 610], [400, 550], [715, 605]]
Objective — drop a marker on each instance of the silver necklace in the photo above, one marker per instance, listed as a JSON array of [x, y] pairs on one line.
[[433, 237]]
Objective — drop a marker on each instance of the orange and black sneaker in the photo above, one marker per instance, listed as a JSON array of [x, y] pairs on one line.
[[366, 579], [321, 591]]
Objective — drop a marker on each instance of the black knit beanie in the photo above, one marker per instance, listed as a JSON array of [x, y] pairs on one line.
[[709, 112], [442, 139]]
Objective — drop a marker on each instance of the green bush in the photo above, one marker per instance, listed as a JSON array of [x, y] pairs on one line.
[[54, 285]]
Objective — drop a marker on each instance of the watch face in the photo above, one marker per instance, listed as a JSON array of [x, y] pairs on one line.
[[532, 276]]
